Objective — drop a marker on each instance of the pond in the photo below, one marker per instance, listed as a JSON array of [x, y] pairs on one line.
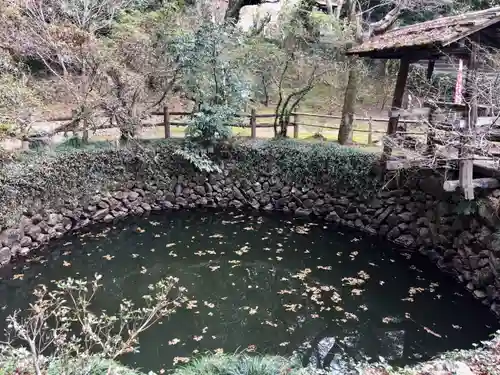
[[267, 284]]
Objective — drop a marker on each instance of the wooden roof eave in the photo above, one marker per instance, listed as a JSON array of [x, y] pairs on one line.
[[415, 53]]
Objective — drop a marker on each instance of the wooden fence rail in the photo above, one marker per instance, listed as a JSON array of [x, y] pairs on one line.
[[250, 122]]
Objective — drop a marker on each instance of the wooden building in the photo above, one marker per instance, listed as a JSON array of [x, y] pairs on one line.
[[467, 36]]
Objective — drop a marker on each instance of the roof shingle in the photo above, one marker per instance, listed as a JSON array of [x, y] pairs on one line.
[[437, 33]]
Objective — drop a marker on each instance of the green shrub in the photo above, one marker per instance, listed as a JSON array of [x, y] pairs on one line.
[[333, 165]]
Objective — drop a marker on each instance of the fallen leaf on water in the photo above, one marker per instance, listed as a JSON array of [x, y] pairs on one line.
[[349, 315], [66, 264], [208, 304], [197, 338], [108, 257], [292, 307], [428, 330], [219, 351], [204, 330], [18, 276], [455, 326], [135, 255], [326, 268], [269, 323], [144, 269], [67, 252], [180, 360], [253, 311], [214, 268], [170, 244], [251, 348], [140, 230], [279, 259], [284, 343], [172, 254], [174, 342]]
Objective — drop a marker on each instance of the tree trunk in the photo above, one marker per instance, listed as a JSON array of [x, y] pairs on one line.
[[381, 74], [329, 7], [347, 120], [233, 11]]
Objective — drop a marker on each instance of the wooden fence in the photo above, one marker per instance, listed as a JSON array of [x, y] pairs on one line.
[[250, 121]]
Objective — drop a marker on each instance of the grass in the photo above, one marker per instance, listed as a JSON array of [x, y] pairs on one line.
[[240, 364]]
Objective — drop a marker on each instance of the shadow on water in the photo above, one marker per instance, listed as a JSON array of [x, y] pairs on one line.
[[268, 284]]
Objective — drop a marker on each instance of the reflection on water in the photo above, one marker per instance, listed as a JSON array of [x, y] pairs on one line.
[[267, 285]]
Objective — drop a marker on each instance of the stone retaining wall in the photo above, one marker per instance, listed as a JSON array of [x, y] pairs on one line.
[[417, 215]]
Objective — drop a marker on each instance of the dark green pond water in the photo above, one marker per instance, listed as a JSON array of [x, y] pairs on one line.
[[269, 285]]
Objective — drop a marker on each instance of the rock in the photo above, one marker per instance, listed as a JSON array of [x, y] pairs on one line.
[[371, 231], [379, 220], [495, 307], [5, 255], [36, 218], [375, 203], [405, 240], [479, 294], [138, 210], [119, 195], [178, 190], [33, 231], [103, 204], [132, 196], [406, 217], [54, 219], [302, 212], [181, 201], [24, 251], [393, 233], [100, 214], [200, 190], [238, 195], [311, 194], [170, 197], [10, 236], [332, 216], [108, 218], [268, 207], [25, 241], [146, 206], [236, 203]]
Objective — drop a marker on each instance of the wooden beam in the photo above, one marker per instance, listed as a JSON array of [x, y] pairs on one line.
[[404, 113], [466, 167], [397, 99], [481, 183], [430, 69]]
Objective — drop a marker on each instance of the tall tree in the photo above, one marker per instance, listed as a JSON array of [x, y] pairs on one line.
[[358, 17]]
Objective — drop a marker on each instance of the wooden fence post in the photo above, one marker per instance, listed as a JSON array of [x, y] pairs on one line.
[[295, 125], [370, 131], [85, 135], [166, 122], [253, 124]]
